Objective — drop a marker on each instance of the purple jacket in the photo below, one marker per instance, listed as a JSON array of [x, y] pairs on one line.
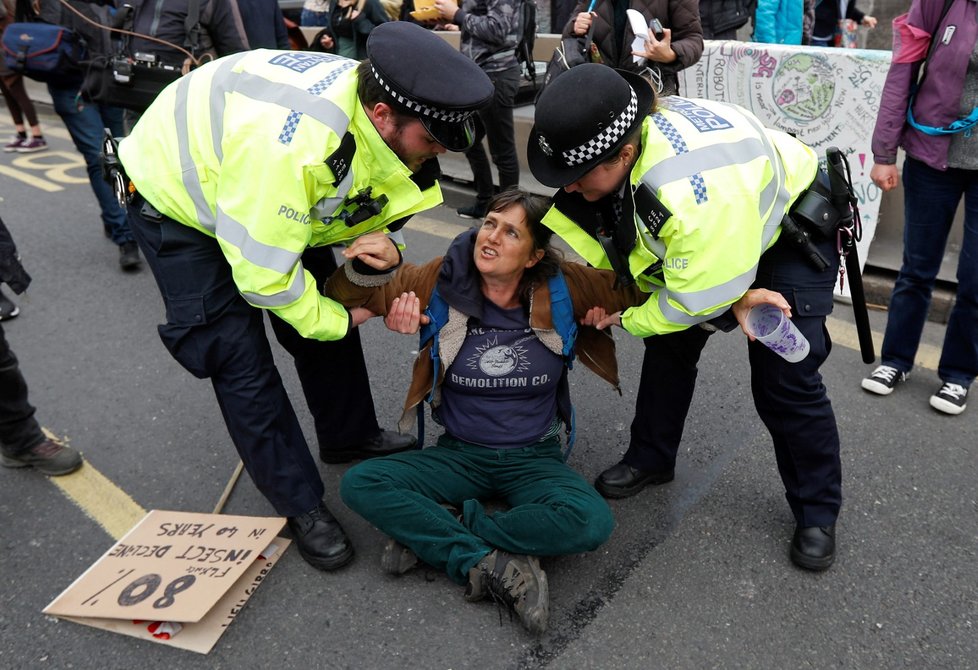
[[938, 100]]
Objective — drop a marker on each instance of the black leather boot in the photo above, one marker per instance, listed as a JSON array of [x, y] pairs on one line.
[[320, 539]]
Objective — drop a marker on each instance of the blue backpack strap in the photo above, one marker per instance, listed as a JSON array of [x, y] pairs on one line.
[[437, 313], [562, 312]]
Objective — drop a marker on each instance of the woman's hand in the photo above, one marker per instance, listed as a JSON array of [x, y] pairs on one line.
[[582, 22], [375, 249], [869, 21], [598, 317], [404, 315], [758, 296], [659, 51], [884, 176]]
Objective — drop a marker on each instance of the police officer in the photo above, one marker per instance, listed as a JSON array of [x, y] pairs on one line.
[[246, 163], [685, 198]]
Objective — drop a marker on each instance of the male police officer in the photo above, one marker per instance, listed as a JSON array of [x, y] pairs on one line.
[[241, 166], [688, 201]]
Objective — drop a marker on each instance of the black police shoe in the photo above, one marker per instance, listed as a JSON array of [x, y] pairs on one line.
[[320, 539], [384, 443], [813, 548], [623, 481]]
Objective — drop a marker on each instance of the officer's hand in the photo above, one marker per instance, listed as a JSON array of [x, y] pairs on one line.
[[884, 176], [374, 249], [599, 318], [405, 315], [359, 315], [582, 22], [758, 296], [447, 9]]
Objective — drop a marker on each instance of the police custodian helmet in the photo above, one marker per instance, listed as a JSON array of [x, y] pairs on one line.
[[582, 118], [429, 79]]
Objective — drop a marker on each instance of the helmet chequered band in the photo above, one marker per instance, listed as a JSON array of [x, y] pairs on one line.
[[606, 139], [440, 114]]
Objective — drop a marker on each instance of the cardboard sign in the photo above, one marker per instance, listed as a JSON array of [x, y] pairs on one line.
[[199, 637], [172, 566]]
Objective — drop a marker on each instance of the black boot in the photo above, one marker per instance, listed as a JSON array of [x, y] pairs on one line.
[[320, 539], [384, 443], [813, 548]]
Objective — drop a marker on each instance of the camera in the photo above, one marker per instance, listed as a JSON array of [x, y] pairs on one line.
[[655, 25]]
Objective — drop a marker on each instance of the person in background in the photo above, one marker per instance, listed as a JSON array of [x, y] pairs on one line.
[[22, 442], [680, 46], [313, 150], [779, 21], [720, 19], [223, 30], [18, 103], [829, 15], [351, 22], [315, 13], [686, 199], [940, 169], [501, 311], [86, 123], [489, 34], [263, 24]]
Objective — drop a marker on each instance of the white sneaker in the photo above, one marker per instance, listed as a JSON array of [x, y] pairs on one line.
[[950, 398], [883, 380]]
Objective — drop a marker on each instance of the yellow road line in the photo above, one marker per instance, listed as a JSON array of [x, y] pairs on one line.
[[30, 179], [100, 499]]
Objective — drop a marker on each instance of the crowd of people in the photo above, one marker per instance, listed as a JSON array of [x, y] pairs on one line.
[[680, 224]]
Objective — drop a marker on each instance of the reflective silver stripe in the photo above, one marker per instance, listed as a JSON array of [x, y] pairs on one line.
[[257, 253], [697, 301], [326, 207], [674, 315], [685, 165], [780, 198], [325, 111], [282, 298], [188, 169]]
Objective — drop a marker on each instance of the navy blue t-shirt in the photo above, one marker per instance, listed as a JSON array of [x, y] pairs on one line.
[[501, 390]]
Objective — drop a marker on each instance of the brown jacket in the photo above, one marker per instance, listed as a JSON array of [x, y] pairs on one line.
[[588, 287]]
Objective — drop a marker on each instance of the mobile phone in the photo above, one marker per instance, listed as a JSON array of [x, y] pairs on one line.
[[655, 25]]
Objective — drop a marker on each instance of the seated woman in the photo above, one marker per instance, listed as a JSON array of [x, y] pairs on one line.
[[501, 313]]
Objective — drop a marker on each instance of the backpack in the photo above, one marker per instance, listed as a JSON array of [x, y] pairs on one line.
[[526, 34]]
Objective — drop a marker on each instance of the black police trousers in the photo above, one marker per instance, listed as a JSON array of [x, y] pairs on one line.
[[214, 333], [790, 398], [19, 430]]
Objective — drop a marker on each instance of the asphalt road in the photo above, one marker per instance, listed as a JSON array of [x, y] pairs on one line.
[[695, 575]]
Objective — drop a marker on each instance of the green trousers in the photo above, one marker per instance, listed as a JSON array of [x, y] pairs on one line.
[[552, 509]]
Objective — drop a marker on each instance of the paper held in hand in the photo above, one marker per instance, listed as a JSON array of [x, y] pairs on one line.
[[641, 30]]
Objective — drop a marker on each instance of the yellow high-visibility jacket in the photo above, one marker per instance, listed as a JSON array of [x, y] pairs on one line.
[[238, 149], [725, 183]]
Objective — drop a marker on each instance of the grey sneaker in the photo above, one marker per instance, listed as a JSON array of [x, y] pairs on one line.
[[950, 398], [48, 457], [516, 581], [396, 559], [883, 380]]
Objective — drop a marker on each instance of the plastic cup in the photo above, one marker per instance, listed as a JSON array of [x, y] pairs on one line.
[[777, 332]]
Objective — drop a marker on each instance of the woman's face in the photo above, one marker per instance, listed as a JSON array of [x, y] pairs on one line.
[[504, 245], [602, 180]]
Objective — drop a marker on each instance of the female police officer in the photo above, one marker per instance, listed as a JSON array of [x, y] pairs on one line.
[[686, 198]]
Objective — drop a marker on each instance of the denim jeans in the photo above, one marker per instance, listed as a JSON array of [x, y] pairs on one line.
[[19, 430], [553, 510], [85, 123], [310, 18], [930, 199], [497, 120]]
